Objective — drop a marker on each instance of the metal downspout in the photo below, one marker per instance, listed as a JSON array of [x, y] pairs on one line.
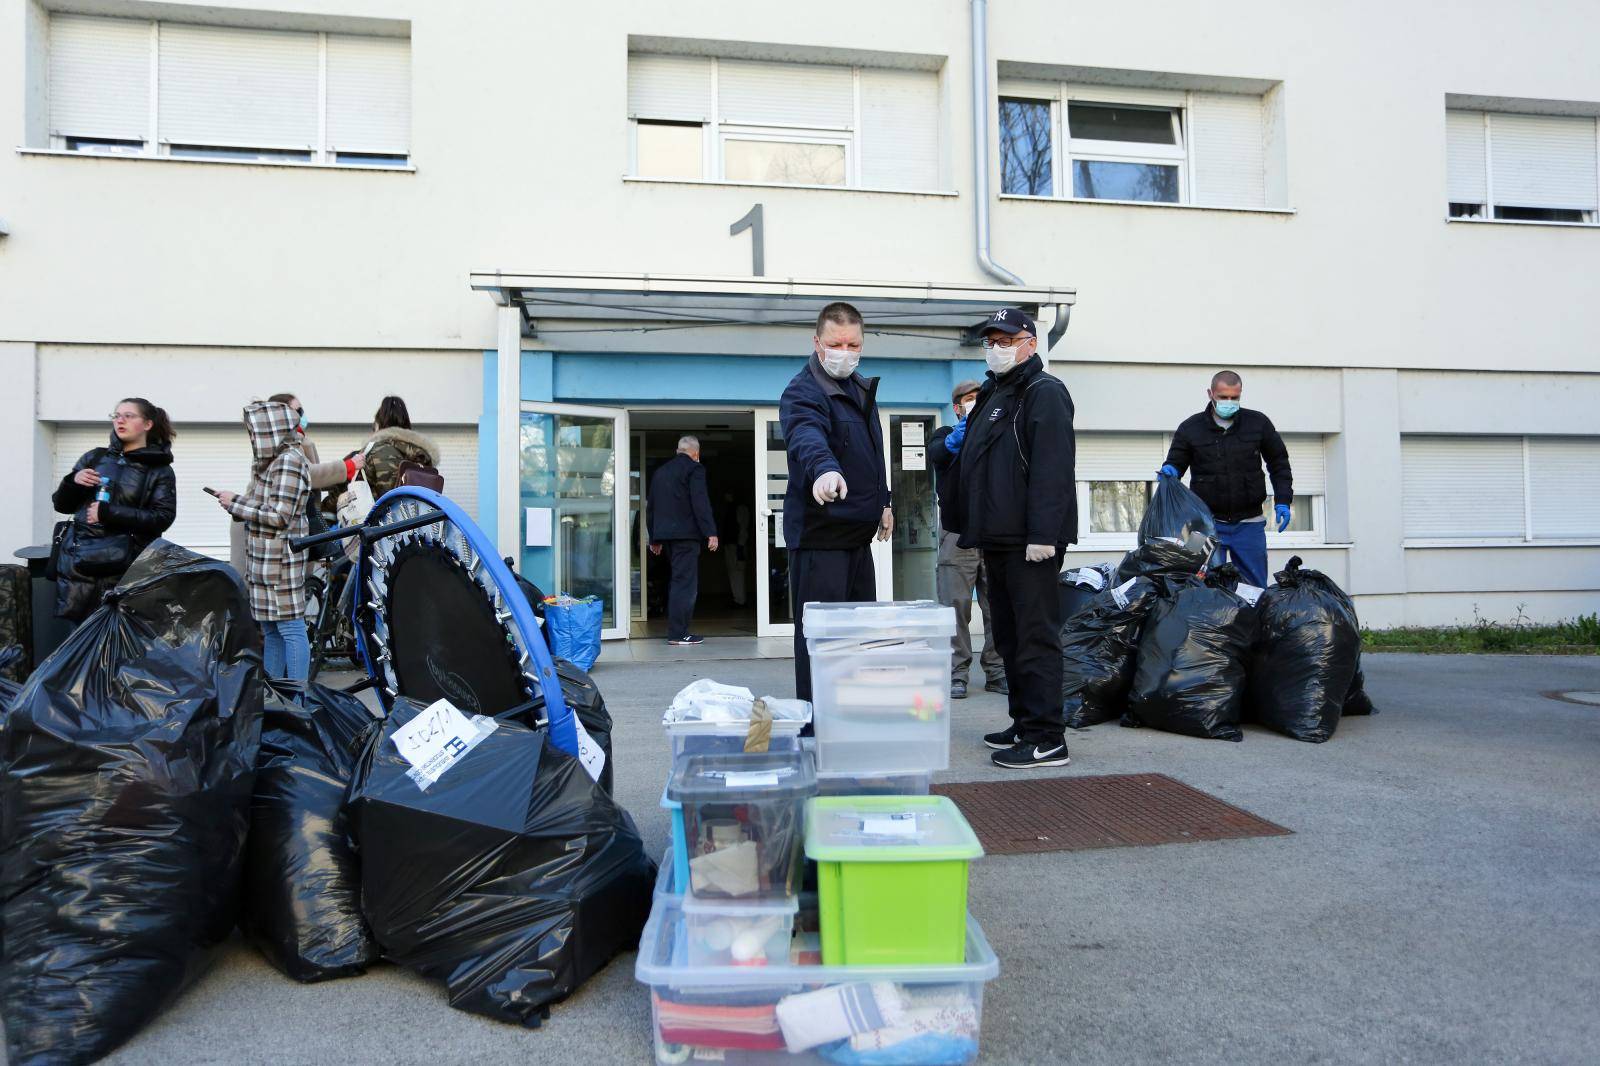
[[980, 141]]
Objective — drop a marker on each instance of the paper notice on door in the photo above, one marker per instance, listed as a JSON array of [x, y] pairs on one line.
[[590, 754], [910, 434], [437, 739], [913, 458], [538, 527]]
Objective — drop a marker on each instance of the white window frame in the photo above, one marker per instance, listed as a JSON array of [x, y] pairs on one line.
[[1488, 205], [154, 146], [842, 138], [1065, 150]]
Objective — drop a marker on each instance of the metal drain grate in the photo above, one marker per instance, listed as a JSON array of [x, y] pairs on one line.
[[1109, 811]]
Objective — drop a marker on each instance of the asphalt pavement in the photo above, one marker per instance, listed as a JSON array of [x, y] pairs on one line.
[[1439, 901]]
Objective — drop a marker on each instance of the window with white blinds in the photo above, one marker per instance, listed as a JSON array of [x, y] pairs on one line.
[[228, 92], [1522, 168], [1564, 487], [1106, 143], [1462, 487], [783, 123]]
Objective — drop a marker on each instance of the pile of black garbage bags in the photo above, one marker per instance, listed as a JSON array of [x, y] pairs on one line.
[[1166, 641], [155, 794]]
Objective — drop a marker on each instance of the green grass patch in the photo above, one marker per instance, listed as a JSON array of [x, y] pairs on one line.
[[1580, 636]]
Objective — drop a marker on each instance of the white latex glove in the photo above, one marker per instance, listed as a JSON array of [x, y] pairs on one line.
[[829, 487], [1038, 553]]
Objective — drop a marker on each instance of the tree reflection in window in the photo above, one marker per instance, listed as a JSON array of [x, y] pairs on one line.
[[1025, 158]]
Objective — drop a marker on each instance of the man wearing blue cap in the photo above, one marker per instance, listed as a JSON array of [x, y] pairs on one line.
[[1017, 503]]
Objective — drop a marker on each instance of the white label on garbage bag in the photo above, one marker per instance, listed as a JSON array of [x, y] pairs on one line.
[[1120, 593], [1088, 575], [1249, 593], [590, 754], [749, 779], [890, 825], [436, 739]]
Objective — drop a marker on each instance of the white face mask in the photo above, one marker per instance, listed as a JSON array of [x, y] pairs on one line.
[[840, 362], [1000, 359], [966, 408]]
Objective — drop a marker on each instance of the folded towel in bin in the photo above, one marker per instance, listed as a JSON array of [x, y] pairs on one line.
[[828, 1014]]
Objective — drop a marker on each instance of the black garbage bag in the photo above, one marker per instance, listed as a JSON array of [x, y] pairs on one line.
[[1175, 513], [513, 877], [1099, 647], [582, 695], [1305, 659], [302, 880], [1356, 701], [11, 658], [1164, 558], [125, 774], [1077, 588], [1190, 674]]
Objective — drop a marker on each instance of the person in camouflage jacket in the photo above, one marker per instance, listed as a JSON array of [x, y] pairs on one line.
[[392, 443]]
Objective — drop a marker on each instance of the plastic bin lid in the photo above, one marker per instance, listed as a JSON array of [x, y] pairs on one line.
[[740, 908], [888, 621], [743, 778], [667, 802], [888, 829]]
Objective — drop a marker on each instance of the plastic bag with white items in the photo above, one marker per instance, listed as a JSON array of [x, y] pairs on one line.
[[706, 700], [1175, 513], [1077, 588]]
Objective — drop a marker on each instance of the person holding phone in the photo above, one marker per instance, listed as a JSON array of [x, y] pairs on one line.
[[121, 497]]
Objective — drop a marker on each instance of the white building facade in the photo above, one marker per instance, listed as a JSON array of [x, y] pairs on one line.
[[517, 216]]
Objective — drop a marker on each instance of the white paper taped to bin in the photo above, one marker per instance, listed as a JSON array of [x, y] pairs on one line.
[[590, 754], [889, 825], [436, 740]]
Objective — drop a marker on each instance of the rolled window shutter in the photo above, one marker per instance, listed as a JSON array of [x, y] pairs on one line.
[[369, 94], [1118, 456], [786, 94], [1462, 486], [99, 77], [669, 87], [1306, 464], [1229, 150], [1543, 161], [1465, 163], [221, 85], [1564, 485], [900, 129]]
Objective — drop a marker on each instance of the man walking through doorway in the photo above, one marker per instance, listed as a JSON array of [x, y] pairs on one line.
[[678, 513], [961, 569], [1225, 446], [838, 491]]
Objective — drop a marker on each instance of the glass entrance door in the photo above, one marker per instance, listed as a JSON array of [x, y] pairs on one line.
[[774, 612], [916, 509], [573, 504]]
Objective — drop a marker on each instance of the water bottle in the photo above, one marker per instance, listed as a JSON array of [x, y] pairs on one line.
[[102, 492]]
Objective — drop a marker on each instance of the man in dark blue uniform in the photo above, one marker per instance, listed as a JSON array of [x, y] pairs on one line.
[[837, 498], [678, 512]]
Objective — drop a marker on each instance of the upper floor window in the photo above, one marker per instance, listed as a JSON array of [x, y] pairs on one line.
[[1135, 145], [1500, 488], [701, 117], [1522, 167], [132, 87]]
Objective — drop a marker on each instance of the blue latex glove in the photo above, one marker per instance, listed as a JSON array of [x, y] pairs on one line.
[[1282, 511], [952, 443], [1167, 471]]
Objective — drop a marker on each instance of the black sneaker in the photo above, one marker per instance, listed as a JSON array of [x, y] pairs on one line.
[[1026, 756], [997, 684], [958, 690], [686, 639], [1006, 738]]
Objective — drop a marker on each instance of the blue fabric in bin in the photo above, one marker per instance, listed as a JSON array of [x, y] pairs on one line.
[[573, 630]]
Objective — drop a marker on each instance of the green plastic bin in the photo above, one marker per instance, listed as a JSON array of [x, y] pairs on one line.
[[891, 878]]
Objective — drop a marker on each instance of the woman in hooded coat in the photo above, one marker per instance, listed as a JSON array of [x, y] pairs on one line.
[[108, 536], [392, 443], [273, 510]]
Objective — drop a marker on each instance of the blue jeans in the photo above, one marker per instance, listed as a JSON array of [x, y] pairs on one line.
[[287, 653], [1244, 544]]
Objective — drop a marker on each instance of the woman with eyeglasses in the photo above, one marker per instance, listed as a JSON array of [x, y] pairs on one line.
[[121, 497]]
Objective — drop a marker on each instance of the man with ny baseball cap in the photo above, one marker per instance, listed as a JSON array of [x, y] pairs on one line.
[[1017, 503]]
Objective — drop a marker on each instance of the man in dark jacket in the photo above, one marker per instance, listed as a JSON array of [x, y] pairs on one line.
[[1018, 504], [961, 569], [838, 490], [678, 512], [1224, 446]]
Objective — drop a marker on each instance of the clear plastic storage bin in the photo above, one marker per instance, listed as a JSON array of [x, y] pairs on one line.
[[854, 783], [727, 738], [808, 1013], [743, 818], [880, 684], [738, 932]]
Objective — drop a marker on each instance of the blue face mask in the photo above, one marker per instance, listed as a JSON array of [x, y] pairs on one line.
[[1225, 408], [305, 423]]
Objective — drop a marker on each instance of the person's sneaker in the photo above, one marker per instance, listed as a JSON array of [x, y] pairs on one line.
[[1026, 756], [958, 690], [997, 684], [1006, 738], [686, 640]]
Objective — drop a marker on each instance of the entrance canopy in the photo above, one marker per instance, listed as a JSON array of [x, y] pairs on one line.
[[641, 303]]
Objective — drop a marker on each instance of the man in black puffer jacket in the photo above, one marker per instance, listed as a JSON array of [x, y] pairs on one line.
[[1224, 447], [1018, 503], [838, 492]]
